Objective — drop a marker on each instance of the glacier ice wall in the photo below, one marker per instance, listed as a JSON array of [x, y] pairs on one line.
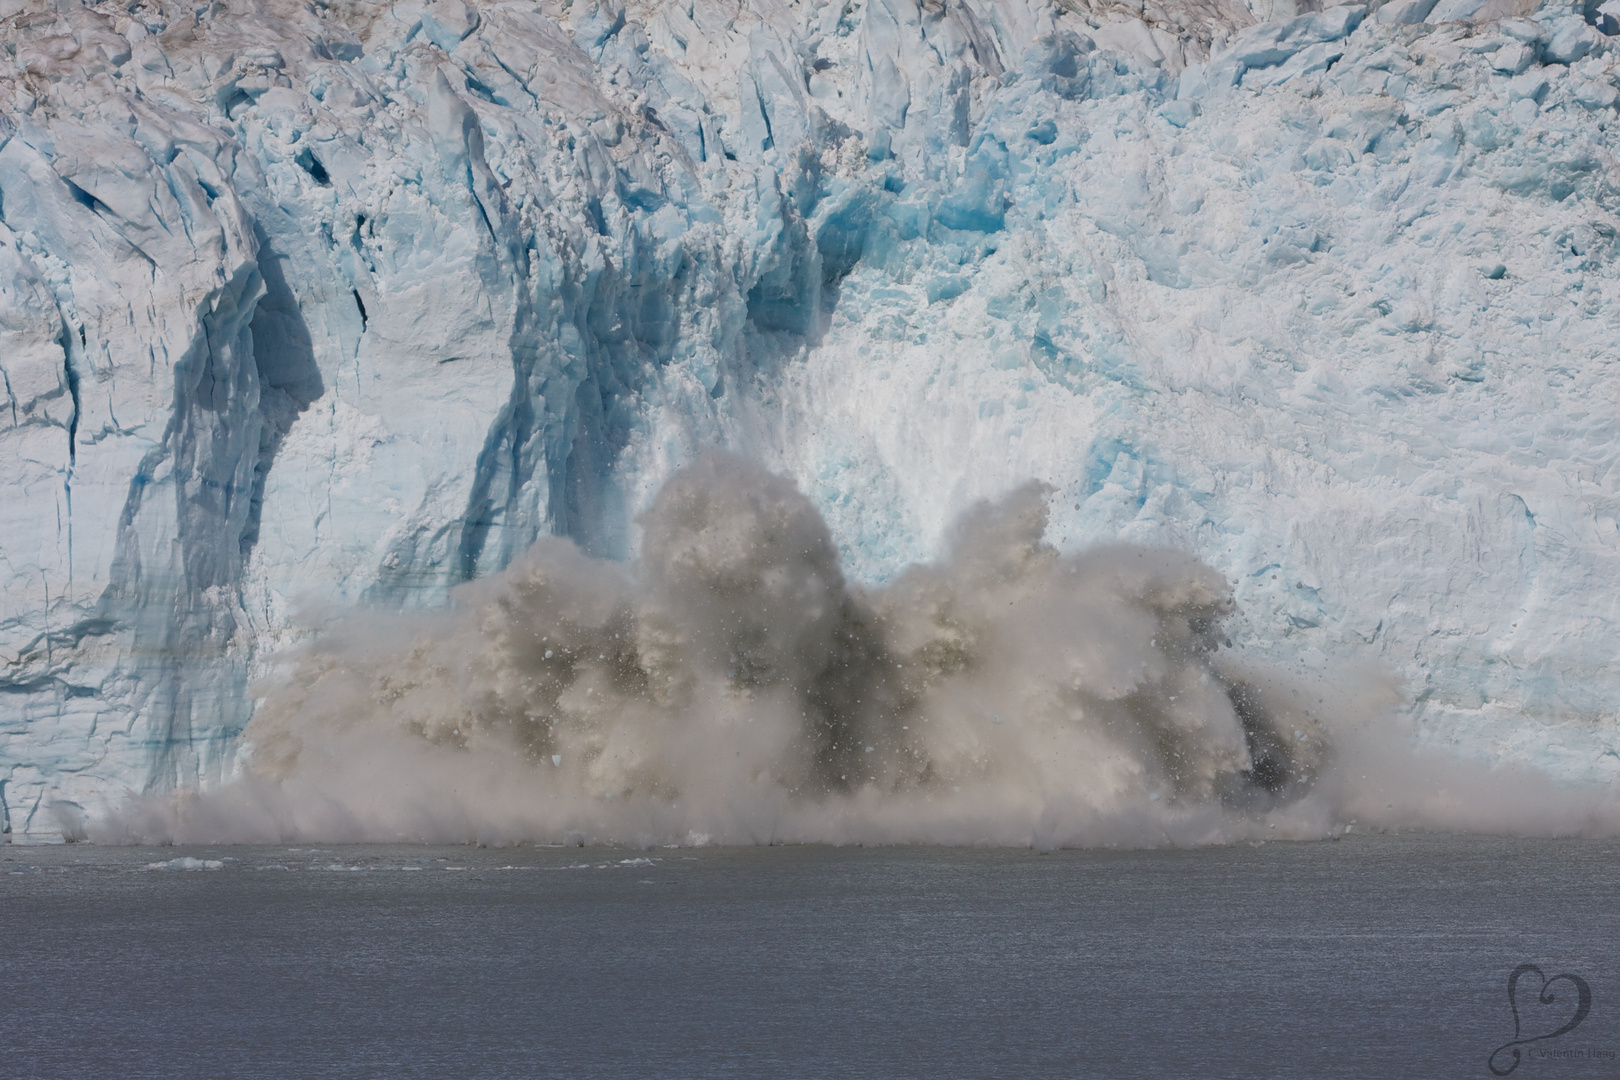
[[309, 305]]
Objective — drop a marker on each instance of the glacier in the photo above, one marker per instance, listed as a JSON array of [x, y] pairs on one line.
[[312, 307]]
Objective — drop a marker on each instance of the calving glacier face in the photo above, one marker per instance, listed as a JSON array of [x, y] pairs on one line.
[[310, 306]]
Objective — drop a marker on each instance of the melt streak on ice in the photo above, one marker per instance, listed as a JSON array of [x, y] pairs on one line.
[[312, 306]]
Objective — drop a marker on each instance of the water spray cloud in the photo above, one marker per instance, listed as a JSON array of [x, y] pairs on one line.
[[730, 685]]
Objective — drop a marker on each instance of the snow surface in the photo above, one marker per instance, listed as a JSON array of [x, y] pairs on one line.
[[310, 305]]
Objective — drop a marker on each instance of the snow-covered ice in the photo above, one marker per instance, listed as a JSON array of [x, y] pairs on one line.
[[311, 305]]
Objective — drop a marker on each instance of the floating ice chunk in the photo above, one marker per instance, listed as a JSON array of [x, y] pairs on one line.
[[186, 862]]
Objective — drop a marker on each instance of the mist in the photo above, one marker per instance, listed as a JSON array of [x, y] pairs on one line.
[[730, 686]]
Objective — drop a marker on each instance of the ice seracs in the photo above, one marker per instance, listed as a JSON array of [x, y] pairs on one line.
[[304, 306]]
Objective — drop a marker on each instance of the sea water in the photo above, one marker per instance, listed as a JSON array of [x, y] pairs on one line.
[[1370, 956]]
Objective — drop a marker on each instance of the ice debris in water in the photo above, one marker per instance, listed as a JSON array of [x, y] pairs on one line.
[[187, 862]]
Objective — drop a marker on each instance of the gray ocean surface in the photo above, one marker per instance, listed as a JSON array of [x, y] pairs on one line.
[[1373, 956]]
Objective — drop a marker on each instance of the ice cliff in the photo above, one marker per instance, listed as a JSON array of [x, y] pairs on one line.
[[311, 305]]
